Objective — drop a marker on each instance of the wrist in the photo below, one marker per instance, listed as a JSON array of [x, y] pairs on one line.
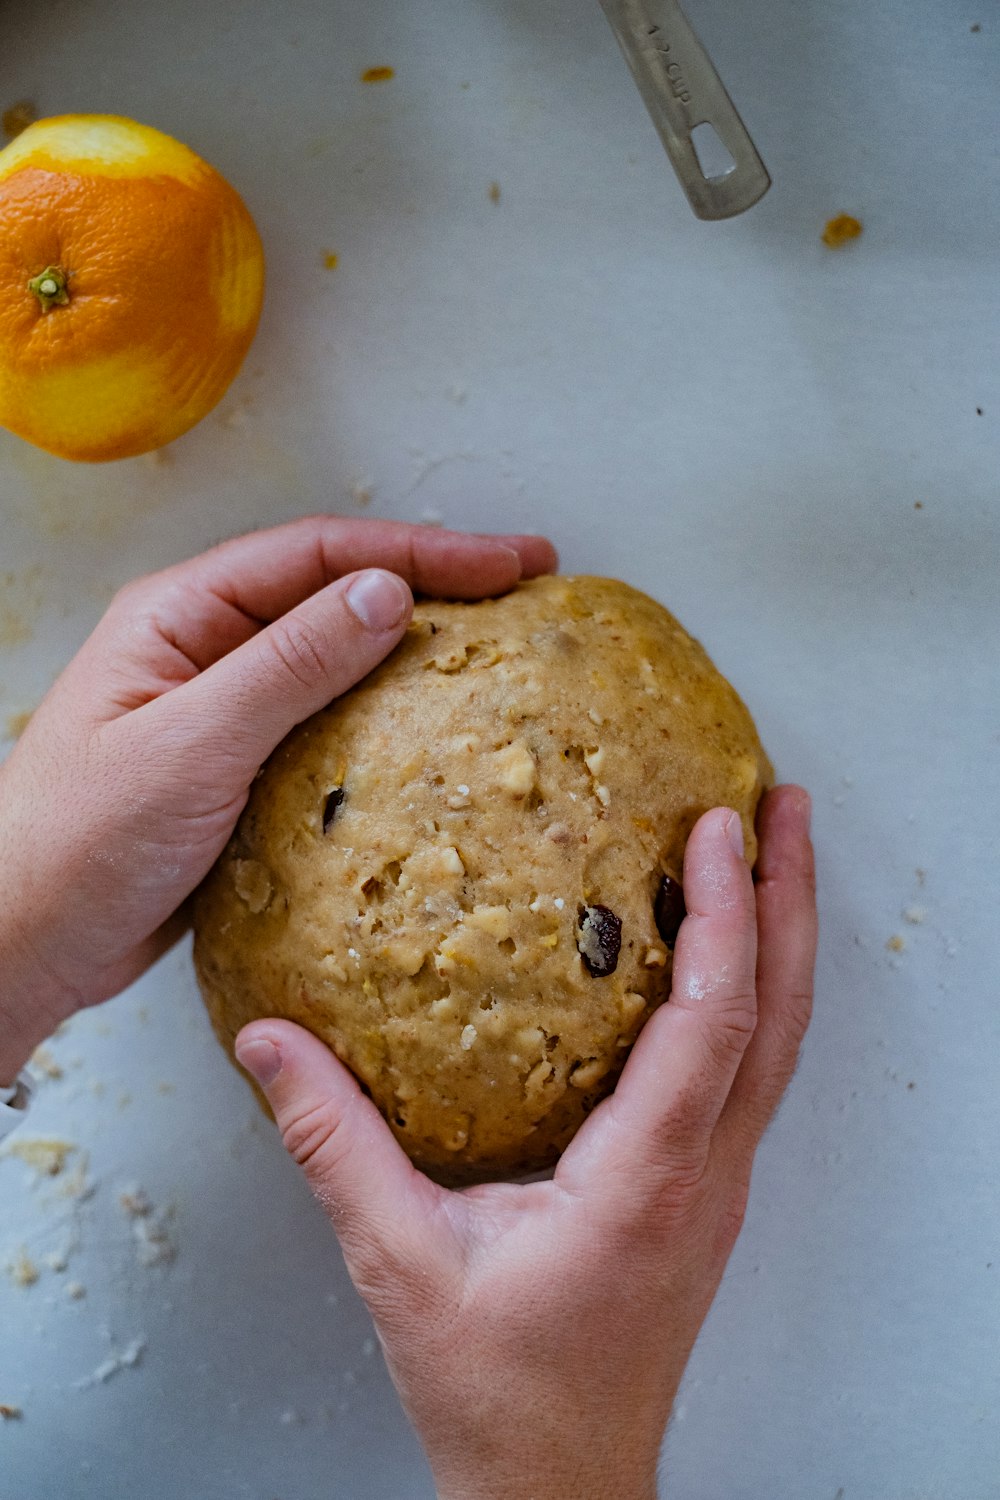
[[515, 1482], [32, 1003], [555, 1474]]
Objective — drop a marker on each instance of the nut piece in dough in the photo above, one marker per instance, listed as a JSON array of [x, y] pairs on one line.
[[465, 875]]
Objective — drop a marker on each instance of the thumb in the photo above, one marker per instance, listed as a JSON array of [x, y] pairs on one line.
[[376, 1200], [243, 705]]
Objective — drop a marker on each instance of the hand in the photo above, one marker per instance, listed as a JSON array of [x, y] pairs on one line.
[[129, 779], [537, 1333]]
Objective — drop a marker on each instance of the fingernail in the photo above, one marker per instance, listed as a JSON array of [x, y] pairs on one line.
[[514, 557], [378, 599], [734, 833], [805, 808], [261, 1059]]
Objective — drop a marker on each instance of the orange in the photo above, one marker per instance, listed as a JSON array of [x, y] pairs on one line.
[[131, 282]]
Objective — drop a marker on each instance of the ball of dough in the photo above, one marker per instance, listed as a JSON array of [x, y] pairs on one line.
[[464, 876]]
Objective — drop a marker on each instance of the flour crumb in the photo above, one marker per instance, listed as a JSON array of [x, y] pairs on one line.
[[135, 1202], [127, 1359], [896, 943], [44, 1064], [361, 492], [22, 1269], [77, 1184], [915, 915]]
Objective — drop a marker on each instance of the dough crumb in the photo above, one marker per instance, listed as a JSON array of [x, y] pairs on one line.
[[77, 1184], [896, 943], [22, 1269], [43, 1063], [841, 230], [915, 915], [75, 1290], [154, 1245], [362, 492], [135, 1203], [18, 723], [9, 1413], [494, 192], [46, 1157], [18, 117]]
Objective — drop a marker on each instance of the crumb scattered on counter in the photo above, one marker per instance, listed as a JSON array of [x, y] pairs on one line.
[[154, 1244], [165, 1088], [46, 1157], [362, 493], [44, 1064], [841, 230], [494, 192], [331, 260], [77, 1184], [19, 116], [9, 1413], [915, 915], [135, 1203], [159, 458], [127, 1359], [378, 75], [75, 1290], [896, 944], [22, 1269], [975, 26], [58, 1260], [17, 724]]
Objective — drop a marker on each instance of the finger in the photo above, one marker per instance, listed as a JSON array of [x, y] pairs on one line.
[[786, 935], [681, 1069], [211, 604], [232, 716], [377, 1201]]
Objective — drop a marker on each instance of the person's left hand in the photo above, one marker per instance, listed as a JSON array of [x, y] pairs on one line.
[[132, 773]]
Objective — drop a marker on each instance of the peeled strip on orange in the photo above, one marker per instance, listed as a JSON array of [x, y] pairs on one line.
[[131, 282]]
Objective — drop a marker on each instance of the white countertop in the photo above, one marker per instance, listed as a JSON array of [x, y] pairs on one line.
[[781, 442]]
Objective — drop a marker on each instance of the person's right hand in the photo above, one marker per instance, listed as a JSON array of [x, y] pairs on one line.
[[537, 1333]]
